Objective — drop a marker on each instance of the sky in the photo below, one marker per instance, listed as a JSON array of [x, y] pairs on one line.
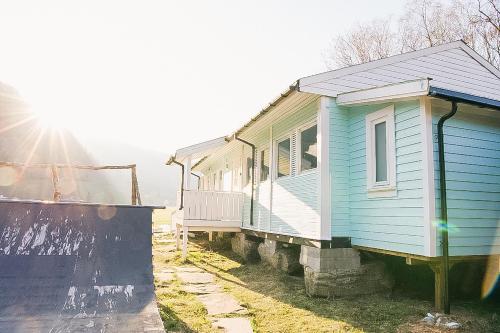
[[162, 75]]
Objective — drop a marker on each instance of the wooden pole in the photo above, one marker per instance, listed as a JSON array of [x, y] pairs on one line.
[[55, 183], [134, 193]]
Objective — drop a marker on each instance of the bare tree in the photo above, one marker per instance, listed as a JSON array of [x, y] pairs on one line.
[[365, 42], [425, 23]]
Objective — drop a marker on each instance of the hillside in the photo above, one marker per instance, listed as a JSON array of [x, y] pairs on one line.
[[23, 139]]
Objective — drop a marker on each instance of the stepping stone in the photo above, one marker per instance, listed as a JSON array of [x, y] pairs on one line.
[[233, 325], [190, 269], [192, 278], [199, 289], [165, 276], [220, 303]]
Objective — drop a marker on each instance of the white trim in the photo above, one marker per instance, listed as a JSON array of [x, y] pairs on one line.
[[480, 59], [323, 123], [298, 143], [280, 139], [388, 188], [271, 176], [406, 89], [200, 149], [428, 188]]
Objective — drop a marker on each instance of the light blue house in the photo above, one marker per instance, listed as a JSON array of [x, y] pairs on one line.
[[350, 159]]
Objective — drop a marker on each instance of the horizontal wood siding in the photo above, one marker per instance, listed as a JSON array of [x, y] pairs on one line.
[[394, 223], [339, 170], [289, 205], [472, 154], [295, 198]]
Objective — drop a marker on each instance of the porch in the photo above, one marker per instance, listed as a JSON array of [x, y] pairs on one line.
[[210, 211]]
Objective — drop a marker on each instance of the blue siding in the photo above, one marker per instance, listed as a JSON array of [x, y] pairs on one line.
[[394, 223], [472, 154], [339, 170]]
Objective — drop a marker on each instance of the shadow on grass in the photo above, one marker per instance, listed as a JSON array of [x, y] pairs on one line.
[[373, 313], [171, 322]]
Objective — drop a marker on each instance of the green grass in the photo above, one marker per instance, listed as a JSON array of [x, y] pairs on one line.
[[162, 216], [278, 303]]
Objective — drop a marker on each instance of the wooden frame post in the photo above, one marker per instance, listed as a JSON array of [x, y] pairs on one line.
[[185, 232]]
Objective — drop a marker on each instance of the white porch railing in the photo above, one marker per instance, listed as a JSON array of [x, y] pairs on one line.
[[208, 211], [213, 206]]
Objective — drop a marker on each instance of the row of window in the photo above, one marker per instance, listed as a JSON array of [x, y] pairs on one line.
[[308, 154], [380, 156]]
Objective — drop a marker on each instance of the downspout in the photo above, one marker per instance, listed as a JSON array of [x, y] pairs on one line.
[[182, 182], [253, 175], [444, 209], [199, 179]]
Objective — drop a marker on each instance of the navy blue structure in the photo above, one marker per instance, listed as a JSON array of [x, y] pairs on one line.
[[67, 267]]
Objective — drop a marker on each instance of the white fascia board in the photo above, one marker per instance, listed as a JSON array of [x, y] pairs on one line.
[[199, 150], [388, 92]]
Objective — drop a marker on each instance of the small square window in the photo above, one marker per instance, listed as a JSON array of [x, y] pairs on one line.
[[309, 148], [380, 152], [283, 161]]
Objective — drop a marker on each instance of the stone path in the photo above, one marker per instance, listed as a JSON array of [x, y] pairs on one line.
[[218, 303]]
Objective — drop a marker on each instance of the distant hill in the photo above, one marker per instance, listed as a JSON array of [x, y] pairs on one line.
[[158, 183], [23, 139]]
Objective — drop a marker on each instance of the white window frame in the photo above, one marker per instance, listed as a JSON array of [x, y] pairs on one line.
[[276, 155], [298, 147], [386, 188]]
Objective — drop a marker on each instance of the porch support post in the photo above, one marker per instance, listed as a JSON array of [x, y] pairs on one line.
[[438, 286], [187, 173], [177, 237], [184, 242], [210, 236]]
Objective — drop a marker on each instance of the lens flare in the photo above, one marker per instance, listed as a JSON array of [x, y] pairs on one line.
[[106, 212], [491, 279], [441, 226], [8, 176]]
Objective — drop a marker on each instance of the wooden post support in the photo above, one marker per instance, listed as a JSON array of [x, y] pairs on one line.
[[438, 286], [55, 183], [210, 236], [185, 233], [177, 237], [134, 190]]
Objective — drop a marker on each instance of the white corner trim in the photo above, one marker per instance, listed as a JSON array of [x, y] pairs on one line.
[[389, 188], [324, 167], [428, 188], [392, 91]]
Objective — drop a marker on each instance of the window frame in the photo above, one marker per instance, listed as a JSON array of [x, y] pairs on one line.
[[277, 141], [298, 144], [385, 188]]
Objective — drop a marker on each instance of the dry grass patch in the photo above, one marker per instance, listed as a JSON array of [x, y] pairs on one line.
[[278, 303]]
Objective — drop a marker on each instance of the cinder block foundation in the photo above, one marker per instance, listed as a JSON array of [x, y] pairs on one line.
[[245, 248], [283, 258], [339, 272]]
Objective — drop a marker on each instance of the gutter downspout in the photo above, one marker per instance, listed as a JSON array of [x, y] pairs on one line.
[[182, 182], [199, 178], [444, 209], [253, 175]]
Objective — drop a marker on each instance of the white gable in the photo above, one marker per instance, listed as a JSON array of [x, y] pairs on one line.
[[452, 66]]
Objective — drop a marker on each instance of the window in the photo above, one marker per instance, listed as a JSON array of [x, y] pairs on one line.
[[380, 152], [248, 173], [283, 161], [309, 148], [264, 165]]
